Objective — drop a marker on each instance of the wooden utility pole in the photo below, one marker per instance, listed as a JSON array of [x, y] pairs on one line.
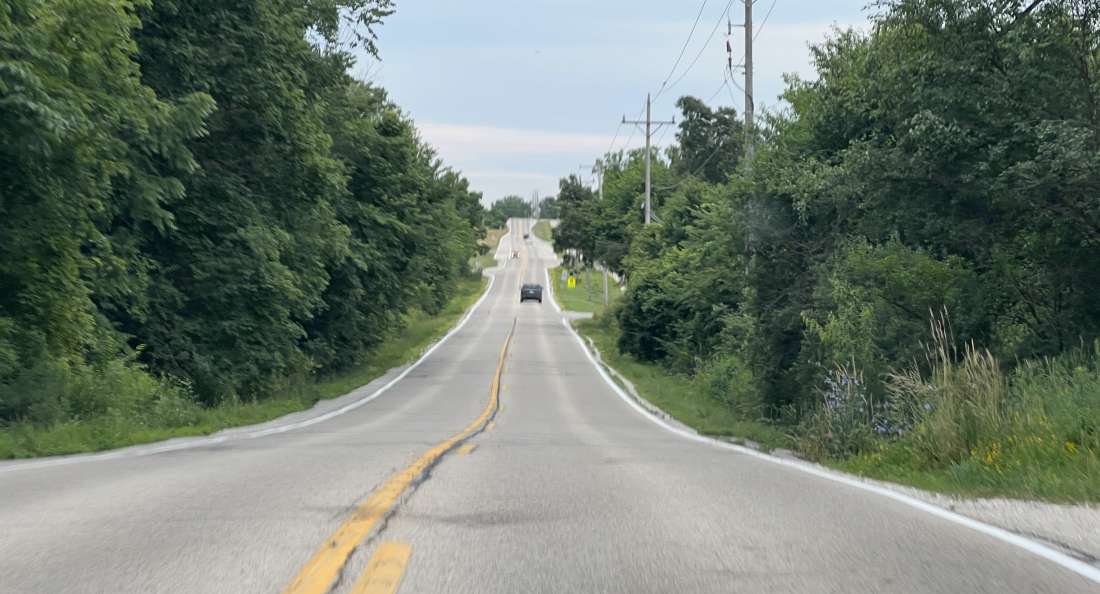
[[599, 172], [649, 130], [750, 107]]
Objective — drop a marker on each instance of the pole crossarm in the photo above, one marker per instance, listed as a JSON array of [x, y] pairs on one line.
[[649, 129]]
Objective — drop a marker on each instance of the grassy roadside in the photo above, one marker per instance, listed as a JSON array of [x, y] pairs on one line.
[[543, 231], [182, 419], [479, 263], [490, 242], [1018, 464], [1039, 443], [679, 396], [587, 296]]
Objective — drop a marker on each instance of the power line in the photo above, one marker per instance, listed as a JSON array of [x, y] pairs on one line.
[[725, 84], [765, 21], [698, 169], [750, 100], [732, 79], [664, 131], [683, 49], [618, 129], [633, 129], [703, 49], [665, 85]]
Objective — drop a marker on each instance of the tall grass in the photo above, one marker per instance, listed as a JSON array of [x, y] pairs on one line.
[[959, 422], [956, 421], [845, 423], [949, 412]]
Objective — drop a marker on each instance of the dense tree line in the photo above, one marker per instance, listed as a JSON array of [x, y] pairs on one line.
[[508, 207], [196, 198], [943, 165], [548, 208]]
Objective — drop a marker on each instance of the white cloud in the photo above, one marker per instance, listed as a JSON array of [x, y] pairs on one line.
[[506, 137], [494, 185], [460, 143], [502, 161]]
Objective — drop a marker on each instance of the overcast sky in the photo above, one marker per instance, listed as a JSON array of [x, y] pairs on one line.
[[518, 93]]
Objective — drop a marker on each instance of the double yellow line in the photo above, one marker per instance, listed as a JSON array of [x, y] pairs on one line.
[[323, 569]]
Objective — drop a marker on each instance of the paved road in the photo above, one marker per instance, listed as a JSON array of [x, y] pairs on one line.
[[568, 490]]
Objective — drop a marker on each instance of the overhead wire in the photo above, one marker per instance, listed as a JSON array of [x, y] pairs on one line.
[[683, 49], [664, 130], [727, 78], [664, 85], [702, 50], [633, 129], [692, 175], [618, 129], [765, 21], [706, 44], [725, 83]]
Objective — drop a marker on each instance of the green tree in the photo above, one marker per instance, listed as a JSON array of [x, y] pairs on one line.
[[509, 207], [548, 208], [248, 261], [89, 158], [710, 142]]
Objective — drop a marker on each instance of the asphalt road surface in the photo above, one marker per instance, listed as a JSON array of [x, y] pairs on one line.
[[564, 488]]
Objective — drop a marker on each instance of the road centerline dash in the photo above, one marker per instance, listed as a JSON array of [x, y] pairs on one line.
[[322, 570], [385, 569]]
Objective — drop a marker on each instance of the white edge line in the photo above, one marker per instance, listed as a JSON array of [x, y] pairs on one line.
[[550, 289], [202, 442], [1075, 565]]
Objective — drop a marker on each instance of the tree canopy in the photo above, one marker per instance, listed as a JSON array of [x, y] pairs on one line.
[[506, 208], [199, 193], [945, 160]]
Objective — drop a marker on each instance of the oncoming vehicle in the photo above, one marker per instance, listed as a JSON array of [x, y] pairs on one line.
[[530, 291]]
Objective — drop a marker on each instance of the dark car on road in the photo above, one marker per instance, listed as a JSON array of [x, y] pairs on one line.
[[530, 291]]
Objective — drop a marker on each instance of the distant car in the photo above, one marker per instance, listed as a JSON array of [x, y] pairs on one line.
[[530, 291], [527, 236]]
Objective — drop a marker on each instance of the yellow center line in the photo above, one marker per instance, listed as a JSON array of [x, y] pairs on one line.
[[319, 574], [467, 448], [384, 570]]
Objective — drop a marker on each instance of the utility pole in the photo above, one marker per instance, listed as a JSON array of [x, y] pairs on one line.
[[599, 172], [649, 130], [581, 179], [750, 107], [606, 296], [534, 211]]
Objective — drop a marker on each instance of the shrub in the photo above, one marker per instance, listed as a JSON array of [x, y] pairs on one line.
[[946, 414], [55, 391], [844, 423], [730, 381]]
